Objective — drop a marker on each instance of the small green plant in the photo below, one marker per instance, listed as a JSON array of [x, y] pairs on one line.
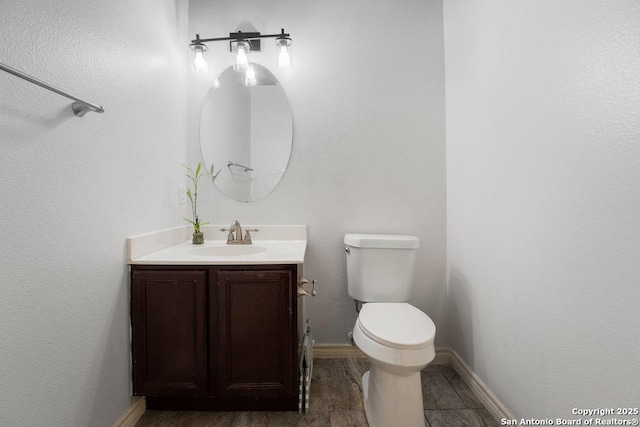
[[194, 176]]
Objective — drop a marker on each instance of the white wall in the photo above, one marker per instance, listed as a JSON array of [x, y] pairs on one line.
[[367, 97], [72, 189], [543, 189]]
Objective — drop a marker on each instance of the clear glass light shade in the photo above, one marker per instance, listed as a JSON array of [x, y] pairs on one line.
[[242, 61], [284, 52], [200, 64]]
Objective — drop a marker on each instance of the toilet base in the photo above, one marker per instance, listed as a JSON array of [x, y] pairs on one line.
[[392, 400]]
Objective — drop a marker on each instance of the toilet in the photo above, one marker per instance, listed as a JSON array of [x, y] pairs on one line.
[[396, 337]]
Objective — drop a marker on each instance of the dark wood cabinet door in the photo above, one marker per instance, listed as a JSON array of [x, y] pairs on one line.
[[256, 341], [168, 332]]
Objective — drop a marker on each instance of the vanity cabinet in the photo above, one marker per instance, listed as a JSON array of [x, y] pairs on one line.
[[215, 337]]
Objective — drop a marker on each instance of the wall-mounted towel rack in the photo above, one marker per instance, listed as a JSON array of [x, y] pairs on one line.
[[79, 107], [246, 168]]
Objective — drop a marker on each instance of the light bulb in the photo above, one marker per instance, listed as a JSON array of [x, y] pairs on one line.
[[242, 62], [284, 61], [200, 63], [250, 77]]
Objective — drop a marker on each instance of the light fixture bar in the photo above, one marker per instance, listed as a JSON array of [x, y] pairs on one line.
[[239, 36]]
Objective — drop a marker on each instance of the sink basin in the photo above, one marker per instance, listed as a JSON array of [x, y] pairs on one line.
[[228, 250]]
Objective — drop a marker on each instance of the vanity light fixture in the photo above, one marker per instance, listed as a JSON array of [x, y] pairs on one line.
[[243, 44]]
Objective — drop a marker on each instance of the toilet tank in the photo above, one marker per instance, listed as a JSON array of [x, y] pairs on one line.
[[380, 266]]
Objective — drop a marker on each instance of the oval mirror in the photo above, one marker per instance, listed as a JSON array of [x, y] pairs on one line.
[[246, 132]]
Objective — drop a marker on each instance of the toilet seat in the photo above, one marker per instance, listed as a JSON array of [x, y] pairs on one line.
[[396, 325]]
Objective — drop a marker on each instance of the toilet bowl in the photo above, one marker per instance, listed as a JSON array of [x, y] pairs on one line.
[[398, 340]]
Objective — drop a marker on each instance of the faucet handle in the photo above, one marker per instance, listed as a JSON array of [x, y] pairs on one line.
[[230, 236], [247, 236]]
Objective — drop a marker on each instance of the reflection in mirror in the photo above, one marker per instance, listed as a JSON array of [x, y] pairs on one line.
[[246, 132]]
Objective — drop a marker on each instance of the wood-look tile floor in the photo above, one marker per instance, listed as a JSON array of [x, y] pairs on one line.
[[336, 400]]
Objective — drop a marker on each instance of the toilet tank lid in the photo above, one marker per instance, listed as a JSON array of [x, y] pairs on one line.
[[389, 241]]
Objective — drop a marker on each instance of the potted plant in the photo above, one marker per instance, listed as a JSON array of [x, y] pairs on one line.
[[194, 176]]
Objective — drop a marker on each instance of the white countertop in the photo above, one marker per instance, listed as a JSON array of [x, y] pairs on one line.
[[282, 244]]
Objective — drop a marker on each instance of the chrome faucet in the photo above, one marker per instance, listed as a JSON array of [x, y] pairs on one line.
[[235, 234], [237, 230]]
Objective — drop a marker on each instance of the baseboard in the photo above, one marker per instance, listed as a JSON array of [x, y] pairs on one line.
[[336, 351], [497, 409], [340, 351], [443, 356], [133, 414]]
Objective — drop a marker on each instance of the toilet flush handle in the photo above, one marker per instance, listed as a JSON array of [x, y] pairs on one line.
[[347, 249], [302, 291]]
